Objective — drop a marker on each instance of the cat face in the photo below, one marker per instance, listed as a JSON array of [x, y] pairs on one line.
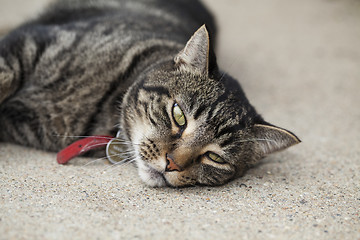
[[189, 124]]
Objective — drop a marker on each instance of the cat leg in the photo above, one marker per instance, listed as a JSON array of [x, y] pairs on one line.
[[8, 81], [16, 64], [18, 51]]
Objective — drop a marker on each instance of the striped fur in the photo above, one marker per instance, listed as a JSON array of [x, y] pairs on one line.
[[93, 67]]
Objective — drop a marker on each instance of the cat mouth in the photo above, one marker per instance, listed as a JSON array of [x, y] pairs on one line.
[[153, 177]]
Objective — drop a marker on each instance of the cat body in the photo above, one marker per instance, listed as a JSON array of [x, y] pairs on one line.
[[98, 67]]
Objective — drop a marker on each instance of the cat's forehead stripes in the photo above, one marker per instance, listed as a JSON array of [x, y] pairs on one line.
[[160, 90]]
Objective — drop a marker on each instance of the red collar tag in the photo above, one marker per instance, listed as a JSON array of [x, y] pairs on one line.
[[82, 146]]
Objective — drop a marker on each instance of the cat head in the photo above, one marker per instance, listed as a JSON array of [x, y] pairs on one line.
[[191, 124]]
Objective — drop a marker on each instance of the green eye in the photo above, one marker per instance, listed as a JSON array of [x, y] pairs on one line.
[[214, 157], [178, 115]]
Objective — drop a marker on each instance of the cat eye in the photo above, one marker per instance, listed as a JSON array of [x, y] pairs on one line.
[[178, 115], [214, 157]]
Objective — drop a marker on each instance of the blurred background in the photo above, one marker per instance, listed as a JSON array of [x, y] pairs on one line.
[[14, 12]]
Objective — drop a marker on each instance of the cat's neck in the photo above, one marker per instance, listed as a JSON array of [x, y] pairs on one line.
[[154, 55]]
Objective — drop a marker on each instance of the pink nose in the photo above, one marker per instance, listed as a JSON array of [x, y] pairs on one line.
[[171, 165]]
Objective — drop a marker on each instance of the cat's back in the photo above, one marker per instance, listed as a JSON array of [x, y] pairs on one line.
[[112, 30], [77, 59], [176, 19]]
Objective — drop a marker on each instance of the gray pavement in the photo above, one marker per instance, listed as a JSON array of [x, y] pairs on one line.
[[299, 63]]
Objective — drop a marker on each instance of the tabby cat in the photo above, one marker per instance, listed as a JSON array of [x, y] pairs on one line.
[[96, 67]]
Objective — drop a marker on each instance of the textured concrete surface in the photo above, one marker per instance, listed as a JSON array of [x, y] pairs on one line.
[[299, 63]]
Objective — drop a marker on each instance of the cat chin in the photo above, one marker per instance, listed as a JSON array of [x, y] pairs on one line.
[[150, 176]]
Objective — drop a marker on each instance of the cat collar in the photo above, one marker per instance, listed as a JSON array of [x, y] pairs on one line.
[[90, 143]]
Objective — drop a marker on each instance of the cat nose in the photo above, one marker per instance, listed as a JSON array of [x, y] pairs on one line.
[[171, 165]]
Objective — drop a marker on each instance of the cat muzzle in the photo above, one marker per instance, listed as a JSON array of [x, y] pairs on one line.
[[171, 165]]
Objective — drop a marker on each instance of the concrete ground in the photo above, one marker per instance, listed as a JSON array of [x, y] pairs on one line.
[[299, 63]]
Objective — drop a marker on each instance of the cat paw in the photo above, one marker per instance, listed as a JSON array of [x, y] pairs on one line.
[[6, 81]]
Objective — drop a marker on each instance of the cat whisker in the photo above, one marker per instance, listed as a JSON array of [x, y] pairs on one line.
[[87, 147], [121, 163], [103, 158], [123, 141], [113, 167], [100, 159], [94, 161], [119, 142], [222, 76], [101, 137], [128, 151], [120, 155], [81, 136], [230, 67]]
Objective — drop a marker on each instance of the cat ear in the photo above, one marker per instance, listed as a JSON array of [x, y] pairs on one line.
[[195, 56], [272, 139]]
